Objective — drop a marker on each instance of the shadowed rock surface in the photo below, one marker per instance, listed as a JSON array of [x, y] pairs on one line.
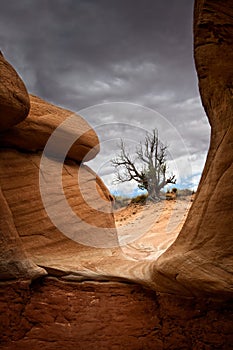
[[55, 315]]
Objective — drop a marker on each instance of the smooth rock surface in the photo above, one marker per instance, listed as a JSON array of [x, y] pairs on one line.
[[201, 259], [14, 99], [34, 132], [89, 222], [14, 262], [77, 202]]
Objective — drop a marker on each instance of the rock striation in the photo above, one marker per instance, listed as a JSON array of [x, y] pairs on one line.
[[90, 295], [201, 259], [44, 118], [45, 241], [53, 208], [14, 262]]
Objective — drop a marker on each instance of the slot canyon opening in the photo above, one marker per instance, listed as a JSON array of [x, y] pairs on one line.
[[145, 230], [61, 292], [183, 267]]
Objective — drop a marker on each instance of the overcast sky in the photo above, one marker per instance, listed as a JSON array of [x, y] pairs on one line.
[[83, 53]]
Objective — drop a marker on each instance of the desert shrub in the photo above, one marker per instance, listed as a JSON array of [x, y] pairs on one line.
[[140, 199], [171, 194]]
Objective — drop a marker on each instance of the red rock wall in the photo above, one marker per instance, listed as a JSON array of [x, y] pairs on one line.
[[54, 315], [201, 259]]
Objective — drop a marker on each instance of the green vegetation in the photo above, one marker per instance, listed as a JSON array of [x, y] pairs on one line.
[[141, 199]]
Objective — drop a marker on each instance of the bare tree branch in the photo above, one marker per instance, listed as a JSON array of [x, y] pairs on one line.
[[151, 173]]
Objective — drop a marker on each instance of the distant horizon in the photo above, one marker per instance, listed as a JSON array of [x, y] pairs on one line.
[[137, 192]]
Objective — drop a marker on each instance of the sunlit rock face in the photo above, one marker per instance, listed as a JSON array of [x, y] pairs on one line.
[[14, 262], [14, 108], [51, 210], [33, 133], [201, 259]]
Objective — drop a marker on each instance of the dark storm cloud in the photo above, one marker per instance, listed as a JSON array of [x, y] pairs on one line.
[[55, 43], [80, 53]]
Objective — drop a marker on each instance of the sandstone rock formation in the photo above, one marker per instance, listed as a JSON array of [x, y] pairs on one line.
[[91, 297], [201, 259], [33, 133], [14, 262], [14, 107], [43, 241], [14, 99], [30, 236]]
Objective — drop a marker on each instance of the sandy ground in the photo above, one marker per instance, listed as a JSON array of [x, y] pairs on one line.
[[145, 232]]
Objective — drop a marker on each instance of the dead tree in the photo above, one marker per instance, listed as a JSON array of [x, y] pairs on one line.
[[148, 167]]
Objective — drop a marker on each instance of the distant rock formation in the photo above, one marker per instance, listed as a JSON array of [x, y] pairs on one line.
[[201, 259], [14, 99]]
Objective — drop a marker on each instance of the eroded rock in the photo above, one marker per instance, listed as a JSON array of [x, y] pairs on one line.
[[52, 208], [56, 232], [201, 259], [33, 133], [14, 262], [103, 313], [14, 99], [55, 315]]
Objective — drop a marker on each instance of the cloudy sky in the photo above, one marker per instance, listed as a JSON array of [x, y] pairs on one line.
[[127, 65]]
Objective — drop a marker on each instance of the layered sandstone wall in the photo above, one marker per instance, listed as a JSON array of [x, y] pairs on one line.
[[52, 207], [201, 259]]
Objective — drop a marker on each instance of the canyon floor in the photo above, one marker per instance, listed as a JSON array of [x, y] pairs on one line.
[[146, 231], [85, 301]]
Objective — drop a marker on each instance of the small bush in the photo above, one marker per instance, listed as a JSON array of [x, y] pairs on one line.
[[171, 195], [141, 199]]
